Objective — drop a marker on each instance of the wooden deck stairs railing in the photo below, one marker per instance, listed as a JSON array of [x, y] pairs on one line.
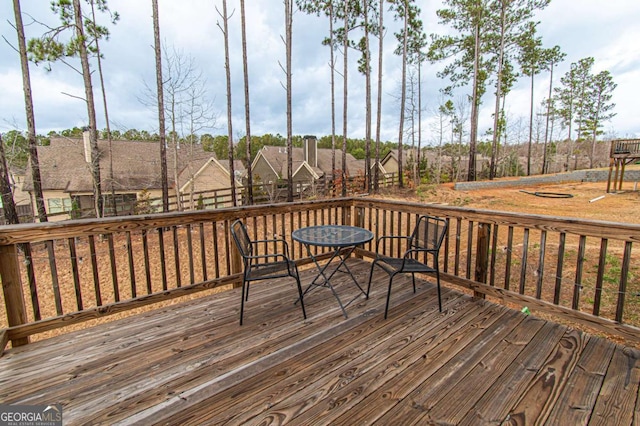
[[623, 152]]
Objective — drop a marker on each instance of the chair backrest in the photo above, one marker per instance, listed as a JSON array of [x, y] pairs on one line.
[[241, 237], [428, 233]]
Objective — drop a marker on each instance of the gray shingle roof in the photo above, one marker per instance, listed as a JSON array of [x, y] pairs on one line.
[[277, 157], [136, 165]]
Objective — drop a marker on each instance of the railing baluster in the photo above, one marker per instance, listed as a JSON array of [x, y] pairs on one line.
[[94, 270], [482, 255], [469, 248], [176, 256], [543, 245], [163, 267], [227, 247], [384, 232], [147, 265], [132, 272], [203, 256], [53, 268], [624, 275], [216, 254], [445, 264], [507, 269], [559, 268], [192, 275], [456, 267], [494, 250], [600, 276], [114, 270], [524, 264], [577, 288], [74, 270], [31, 277]]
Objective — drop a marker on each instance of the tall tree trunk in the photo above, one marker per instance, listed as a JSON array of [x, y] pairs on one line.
[[473, 136], [31, 121], [418, 157], [496, 113], [106, 117], [288, 6], [376, 183], [227, 68], [160, 93], [247, 112], [91, 110], [367, 149], [545, 157], [403, 94], [530, 126], [8, 205], [345, 99], [333, 95]]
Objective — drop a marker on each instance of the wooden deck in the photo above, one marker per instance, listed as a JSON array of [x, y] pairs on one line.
[[474, 363]]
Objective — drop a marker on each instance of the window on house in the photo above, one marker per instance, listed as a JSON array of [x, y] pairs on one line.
[[59, 205]]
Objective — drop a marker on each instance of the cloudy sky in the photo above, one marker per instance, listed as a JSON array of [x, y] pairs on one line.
[[606, 30]]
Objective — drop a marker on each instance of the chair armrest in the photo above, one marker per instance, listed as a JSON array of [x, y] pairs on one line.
[[274, 256], [390, 237], [274, 240]]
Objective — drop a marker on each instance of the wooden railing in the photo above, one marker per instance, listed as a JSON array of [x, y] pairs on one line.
[[625, 147], [60, 274]]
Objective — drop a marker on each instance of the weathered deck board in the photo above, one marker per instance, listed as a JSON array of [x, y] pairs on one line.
[[191, 363]]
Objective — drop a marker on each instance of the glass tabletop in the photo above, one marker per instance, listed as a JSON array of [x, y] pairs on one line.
[[332, 235]]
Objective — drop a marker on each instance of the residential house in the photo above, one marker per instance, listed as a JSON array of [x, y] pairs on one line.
[[309, 164], [67, 180], [206, 184]]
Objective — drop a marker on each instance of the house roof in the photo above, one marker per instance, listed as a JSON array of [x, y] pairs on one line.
[[136, 165], [196, 167], [277, 158]]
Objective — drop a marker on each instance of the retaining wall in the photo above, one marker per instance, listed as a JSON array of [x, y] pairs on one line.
[[576, 176]]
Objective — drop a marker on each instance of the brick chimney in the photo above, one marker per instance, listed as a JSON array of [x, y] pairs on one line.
[[311, 150], [87, 145]]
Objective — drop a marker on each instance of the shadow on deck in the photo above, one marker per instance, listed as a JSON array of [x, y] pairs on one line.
[[474, 363]]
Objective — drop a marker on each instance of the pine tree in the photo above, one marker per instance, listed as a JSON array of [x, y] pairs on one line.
[[50, 47], [465, 53]]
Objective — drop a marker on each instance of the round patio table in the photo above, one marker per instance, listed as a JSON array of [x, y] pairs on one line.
[[343, 239]]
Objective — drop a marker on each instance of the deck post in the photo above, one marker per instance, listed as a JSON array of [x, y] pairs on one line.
[[359, 221], [611, 162], [12, 289], [346, 214], [482, 255]]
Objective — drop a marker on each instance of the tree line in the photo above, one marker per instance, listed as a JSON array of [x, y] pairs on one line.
[[490, 45]]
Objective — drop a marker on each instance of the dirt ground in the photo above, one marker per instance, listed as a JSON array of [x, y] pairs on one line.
[[585, 201]]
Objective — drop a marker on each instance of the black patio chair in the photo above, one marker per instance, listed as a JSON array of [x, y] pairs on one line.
[[425, 240], [263, 267]]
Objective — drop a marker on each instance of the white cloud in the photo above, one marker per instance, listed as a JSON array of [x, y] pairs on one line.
[[608, 33]]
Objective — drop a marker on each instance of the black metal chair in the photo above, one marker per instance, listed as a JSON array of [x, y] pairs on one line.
[[425, 240], [262, 267]]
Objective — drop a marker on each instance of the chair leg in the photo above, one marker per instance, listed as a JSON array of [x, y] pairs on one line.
[[413, 278], [244, 283], [304, 313], [438, 284], [370, 276], [386, 308]]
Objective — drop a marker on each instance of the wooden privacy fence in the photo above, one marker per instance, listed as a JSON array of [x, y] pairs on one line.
[[65, 273]]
